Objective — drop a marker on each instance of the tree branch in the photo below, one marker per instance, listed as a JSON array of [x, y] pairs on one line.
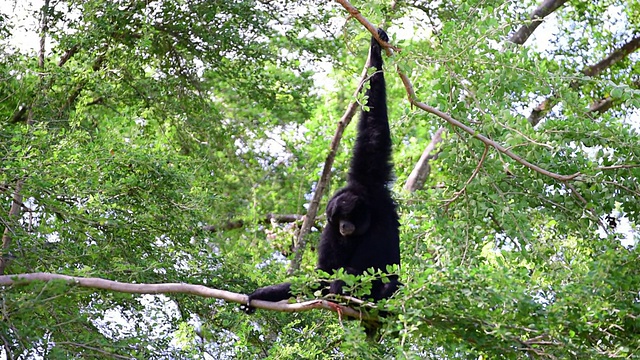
[[542, 11], [422, 169], [179, 288], [14, 214], [614, 57], [353, 12], [68, 54], [236, 224], [413, 100], [97, 64], [598, 106], [44, 27]]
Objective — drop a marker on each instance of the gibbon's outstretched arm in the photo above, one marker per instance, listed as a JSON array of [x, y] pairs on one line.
[[371, 161]]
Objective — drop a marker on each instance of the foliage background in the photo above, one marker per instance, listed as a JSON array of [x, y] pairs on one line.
[[147, 141]]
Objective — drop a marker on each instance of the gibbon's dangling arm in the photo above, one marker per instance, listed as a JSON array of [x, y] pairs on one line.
[[371, 161]]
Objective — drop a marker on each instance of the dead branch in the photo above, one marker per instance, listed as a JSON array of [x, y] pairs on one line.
[[179, 288], [536, 18], [421, 171]]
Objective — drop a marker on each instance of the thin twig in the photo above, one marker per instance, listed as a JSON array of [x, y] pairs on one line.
[[473, 175], [615, 167], [94, 349], [575, 193]]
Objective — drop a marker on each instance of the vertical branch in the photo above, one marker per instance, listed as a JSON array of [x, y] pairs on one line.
[[14, 213], [309, 219], [15, 210], [44, 27], [421, 171]]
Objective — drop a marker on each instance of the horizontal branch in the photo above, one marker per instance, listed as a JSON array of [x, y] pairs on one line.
[[236, 224], [179, 288]]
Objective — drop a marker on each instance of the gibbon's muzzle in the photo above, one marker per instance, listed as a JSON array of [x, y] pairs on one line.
[[346, 227]]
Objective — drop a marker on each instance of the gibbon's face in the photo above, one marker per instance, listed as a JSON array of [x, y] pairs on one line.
[[349, 213]]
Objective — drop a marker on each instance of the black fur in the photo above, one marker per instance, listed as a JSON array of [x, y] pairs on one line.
[[362, 229]]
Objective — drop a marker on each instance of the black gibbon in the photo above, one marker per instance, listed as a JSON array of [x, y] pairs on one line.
[[362, 229]]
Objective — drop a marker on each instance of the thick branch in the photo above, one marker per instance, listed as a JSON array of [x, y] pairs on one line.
[[614, 57], [19, 115], [179, 288], [542, 11], [601, 105], [68, 54]]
